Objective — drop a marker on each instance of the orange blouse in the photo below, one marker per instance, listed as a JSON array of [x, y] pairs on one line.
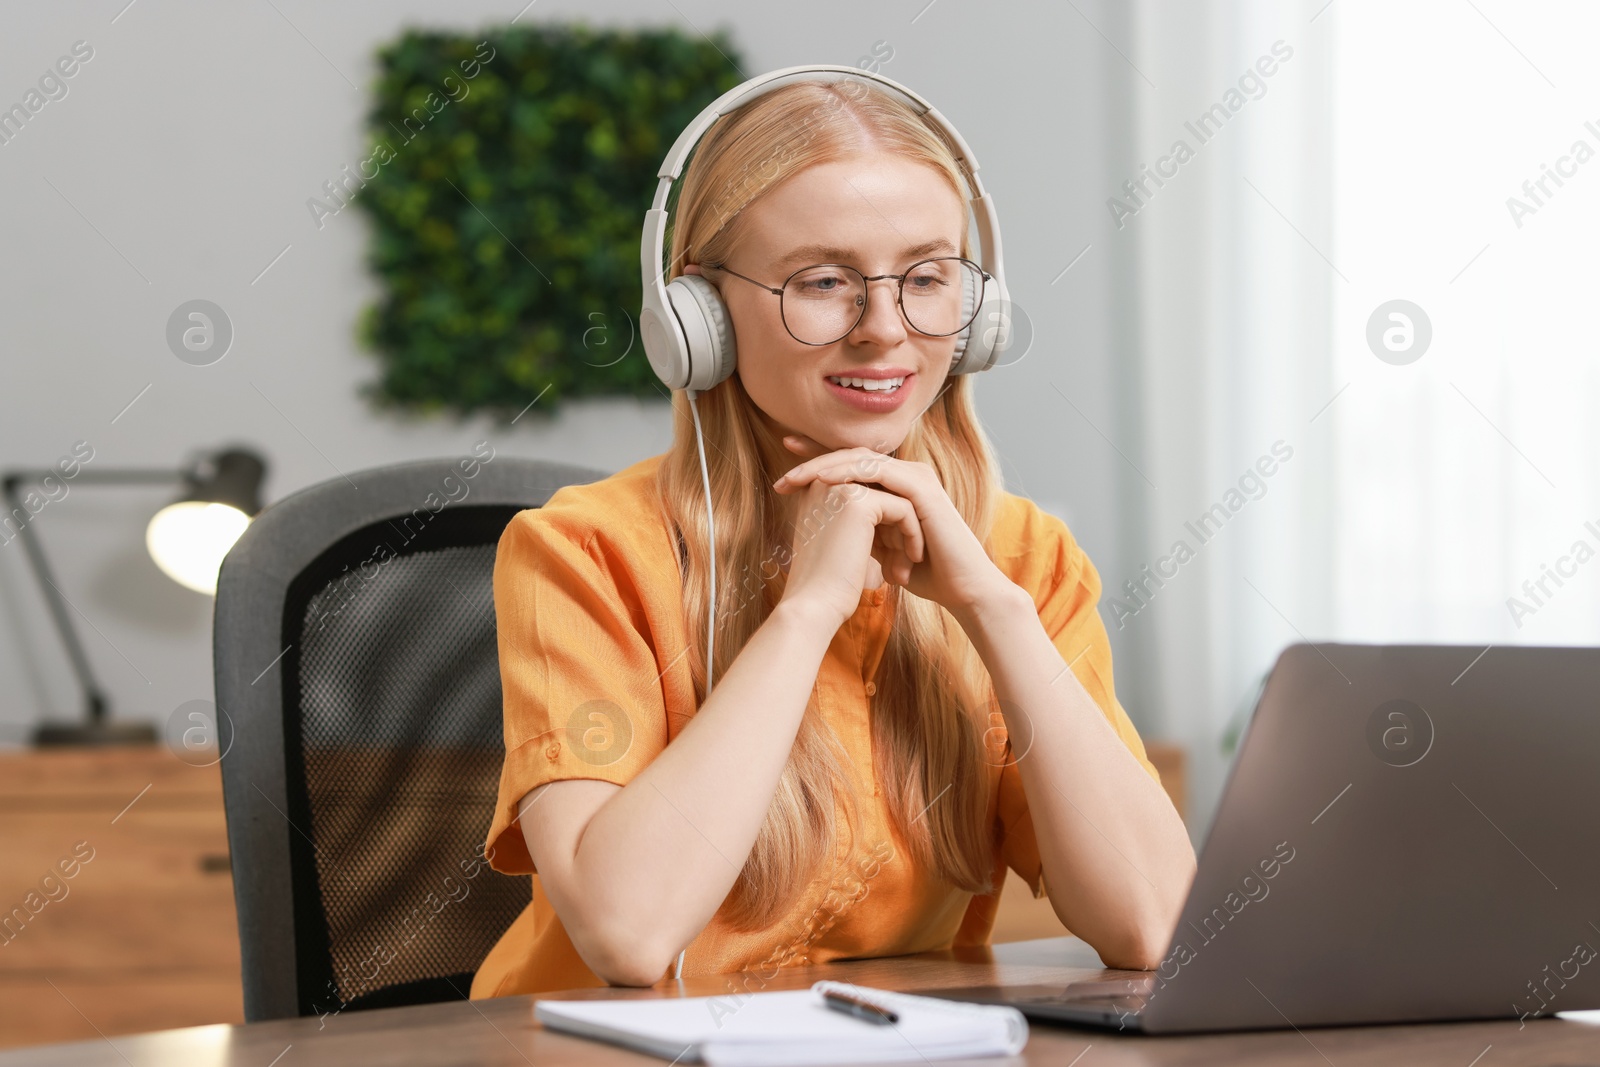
[[591, 635]]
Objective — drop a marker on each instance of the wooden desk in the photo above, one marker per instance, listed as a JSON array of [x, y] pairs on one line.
[[503, 1032]]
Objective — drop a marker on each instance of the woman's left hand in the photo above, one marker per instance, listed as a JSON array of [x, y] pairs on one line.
[[953, 570]]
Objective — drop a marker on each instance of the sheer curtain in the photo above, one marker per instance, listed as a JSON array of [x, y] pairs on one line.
[[1470, 471], [1426, 484]]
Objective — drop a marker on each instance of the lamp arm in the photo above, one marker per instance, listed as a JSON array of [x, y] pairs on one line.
[[105, 476], [93, 695]]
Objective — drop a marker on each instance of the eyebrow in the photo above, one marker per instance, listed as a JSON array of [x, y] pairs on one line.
[[832, 254]]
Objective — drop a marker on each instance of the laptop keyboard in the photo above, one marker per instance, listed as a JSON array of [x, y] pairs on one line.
[[1109, 997], [1111, 992], [1128, 1002]]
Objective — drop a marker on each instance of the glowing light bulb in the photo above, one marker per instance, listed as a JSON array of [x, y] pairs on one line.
[[188, 540]]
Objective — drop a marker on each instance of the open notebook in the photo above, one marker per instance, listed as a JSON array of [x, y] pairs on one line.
[[791, 1027]]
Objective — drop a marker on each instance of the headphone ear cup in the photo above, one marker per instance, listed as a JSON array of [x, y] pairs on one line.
[[994, 319], [959, 358], [707, 328]]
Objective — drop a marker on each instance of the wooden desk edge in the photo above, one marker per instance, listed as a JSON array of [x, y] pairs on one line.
[[503, 1030]]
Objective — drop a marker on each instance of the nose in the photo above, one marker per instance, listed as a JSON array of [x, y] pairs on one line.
[[883, 323]]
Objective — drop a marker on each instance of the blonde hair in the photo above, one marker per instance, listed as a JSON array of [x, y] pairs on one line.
[[931, 686]]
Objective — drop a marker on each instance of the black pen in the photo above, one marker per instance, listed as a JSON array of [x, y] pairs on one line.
[[861, 1009]]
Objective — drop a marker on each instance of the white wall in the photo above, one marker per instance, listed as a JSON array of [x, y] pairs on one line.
[[179, 164]]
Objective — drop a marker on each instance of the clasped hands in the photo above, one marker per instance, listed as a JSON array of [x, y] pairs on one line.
[[919, 540]]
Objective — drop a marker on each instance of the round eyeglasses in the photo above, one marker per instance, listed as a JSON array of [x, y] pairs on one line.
[[821, 304]]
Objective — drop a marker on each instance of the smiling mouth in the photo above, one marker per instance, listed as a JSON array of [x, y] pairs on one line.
[[868, 385]]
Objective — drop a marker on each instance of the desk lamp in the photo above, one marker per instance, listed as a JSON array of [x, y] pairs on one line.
[[187, 539]]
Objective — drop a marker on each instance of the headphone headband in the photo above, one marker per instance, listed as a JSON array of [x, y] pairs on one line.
[[683, 326], [740, 95]]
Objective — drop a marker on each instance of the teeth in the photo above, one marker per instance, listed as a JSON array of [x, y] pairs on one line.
[[871, 385]]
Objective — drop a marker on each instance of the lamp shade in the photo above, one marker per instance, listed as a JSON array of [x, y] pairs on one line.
[[189, 537]]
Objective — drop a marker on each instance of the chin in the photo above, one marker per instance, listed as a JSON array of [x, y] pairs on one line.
[[889, 439]]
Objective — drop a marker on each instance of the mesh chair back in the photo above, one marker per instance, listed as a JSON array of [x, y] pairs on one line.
[[357, 667]]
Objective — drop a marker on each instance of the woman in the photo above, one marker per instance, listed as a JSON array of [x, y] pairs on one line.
[[913, 690]]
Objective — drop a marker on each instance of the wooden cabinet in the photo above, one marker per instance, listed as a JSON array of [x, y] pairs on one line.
[[141, 935]]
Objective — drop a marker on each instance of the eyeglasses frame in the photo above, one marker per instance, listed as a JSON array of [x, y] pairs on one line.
[[866, 300]]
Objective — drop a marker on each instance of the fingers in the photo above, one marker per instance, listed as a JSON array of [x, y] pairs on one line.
[[875, 575], [895, 537], [849, 464], [890, 514], [896, 568], [889, 549], [897, 511]]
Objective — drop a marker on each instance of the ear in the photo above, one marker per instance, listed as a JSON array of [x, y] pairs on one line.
[[691, 268]]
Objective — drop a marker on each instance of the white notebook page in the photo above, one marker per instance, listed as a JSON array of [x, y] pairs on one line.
[[792, 1027]]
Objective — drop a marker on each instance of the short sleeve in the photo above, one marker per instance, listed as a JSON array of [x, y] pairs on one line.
[[1066, 592], [582, 692]]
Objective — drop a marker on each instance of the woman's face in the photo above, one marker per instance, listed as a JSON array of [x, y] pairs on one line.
[[875, 212]]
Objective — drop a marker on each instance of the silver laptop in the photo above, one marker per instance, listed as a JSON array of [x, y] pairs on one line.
[[1409, 834]]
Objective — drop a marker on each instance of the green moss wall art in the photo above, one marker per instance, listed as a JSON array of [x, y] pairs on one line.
[[506, 180]]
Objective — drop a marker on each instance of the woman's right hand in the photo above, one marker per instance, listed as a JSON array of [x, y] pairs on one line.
[[844, 538]]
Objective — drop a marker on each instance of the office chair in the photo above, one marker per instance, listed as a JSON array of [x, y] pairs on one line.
[[359, 719]]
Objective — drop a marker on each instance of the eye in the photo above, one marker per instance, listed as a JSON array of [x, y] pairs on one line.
[[927, 277], [822, 282]]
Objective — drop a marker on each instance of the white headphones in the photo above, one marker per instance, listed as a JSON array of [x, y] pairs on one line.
[[684, 324]]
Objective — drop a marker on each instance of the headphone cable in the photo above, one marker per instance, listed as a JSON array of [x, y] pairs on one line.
[[711, 595]]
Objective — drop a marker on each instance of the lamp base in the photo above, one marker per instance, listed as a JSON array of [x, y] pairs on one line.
[[89, 734]]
